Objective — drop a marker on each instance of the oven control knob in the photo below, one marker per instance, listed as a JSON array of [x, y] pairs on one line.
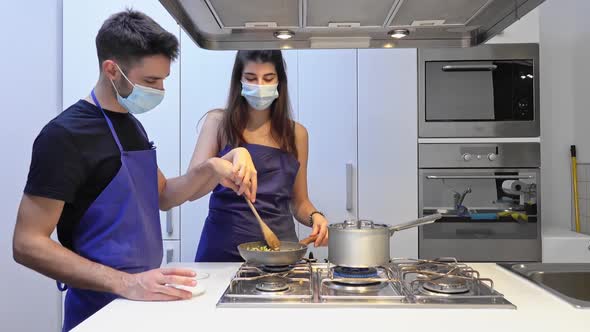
[[467, 156], [492, 156]]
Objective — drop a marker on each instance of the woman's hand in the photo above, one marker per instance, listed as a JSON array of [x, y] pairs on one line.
[[241, 176], [320, 228]]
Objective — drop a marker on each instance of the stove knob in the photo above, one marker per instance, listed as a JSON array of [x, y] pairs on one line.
[[467, 156], [492, 156]]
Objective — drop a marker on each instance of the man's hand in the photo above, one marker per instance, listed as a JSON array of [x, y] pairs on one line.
[[156, 285]]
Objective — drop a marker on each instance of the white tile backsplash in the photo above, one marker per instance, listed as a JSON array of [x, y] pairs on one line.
[[585, 225], [582, 190], [583, 205], [583, 172], [584, 197]]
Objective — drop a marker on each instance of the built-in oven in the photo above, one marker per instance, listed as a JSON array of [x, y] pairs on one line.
[[488, 195], [485, 91]]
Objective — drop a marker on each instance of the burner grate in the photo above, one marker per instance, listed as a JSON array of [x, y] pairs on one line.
[[273, 284], [442, 277], [355, 272]]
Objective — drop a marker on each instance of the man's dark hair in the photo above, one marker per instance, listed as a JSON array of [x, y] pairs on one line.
[[131, 35]]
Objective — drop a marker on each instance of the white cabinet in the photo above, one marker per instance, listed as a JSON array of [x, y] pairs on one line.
[[171, 252], [387, 142], [360, 108], [328, 109]]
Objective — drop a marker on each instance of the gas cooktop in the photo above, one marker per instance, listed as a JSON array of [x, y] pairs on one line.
[[438, 283]]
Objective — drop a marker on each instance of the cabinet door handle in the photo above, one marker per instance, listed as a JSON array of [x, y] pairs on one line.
[[469, 68], [169, 223], [169, 255], [349, 186]]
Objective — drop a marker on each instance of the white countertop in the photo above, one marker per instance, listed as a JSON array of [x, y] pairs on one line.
[[537, 310]]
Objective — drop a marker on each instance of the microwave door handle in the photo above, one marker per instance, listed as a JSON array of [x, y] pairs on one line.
[[469, 68], [462, 177]]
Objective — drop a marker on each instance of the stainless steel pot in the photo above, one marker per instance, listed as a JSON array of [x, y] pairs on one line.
[[362, 243]]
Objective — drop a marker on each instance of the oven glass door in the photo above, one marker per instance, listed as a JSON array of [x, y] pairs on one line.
[[479, 91], [489, 203]]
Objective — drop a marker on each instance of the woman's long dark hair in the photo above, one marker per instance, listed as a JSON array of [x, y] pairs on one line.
[[235, 116]]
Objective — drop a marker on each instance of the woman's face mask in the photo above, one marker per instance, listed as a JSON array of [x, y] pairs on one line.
[[259, 84], [141, 99], [260, 97]]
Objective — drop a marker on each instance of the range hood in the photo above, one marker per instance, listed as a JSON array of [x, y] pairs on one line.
[[303, 24]]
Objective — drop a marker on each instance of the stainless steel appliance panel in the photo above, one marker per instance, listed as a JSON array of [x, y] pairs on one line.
[[490, 211], [485, 91], [479, 155]]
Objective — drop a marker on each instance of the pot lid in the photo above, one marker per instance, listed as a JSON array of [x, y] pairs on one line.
[[358, 224]]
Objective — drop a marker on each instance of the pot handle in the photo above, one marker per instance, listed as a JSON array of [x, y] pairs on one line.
[[418, 222], [308, 240]]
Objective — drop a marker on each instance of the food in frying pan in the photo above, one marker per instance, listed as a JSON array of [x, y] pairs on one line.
[[266, 248], [260, 248]]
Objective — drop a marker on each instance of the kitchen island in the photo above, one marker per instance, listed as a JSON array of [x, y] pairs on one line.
[[537, 310]]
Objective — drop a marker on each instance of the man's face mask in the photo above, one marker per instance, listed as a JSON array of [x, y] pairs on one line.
[[141, 99]]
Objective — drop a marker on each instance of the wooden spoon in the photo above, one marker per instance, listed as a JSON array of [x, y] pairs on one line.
[[271, 239]]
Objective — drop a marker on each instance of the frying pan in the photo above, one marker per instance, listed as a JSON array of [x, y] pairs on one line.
[[288, 253]]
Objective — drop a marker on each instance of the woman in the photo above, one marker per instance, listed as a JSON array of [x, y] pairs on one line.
[[258, 119]]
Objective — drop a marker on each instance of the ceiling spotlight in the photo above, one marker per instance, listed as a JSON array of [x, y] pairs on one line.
[[284, 35], [399, 33]]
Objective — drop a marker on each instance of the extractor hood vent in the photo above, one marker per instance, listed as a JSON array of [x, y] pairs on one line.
[[253, 24], [441, 12], [232, 14]]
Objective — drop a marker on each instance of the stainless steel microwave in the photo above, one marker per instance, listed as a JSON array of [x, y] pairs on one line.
[[485, 91]]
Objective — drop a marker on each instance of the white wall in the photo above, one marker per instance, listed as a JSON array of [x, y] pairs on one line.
[[31, 95], [565, 103]]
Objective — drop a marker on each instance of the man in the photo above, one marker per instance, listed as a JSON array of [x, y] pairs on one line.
[[94, 176]]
